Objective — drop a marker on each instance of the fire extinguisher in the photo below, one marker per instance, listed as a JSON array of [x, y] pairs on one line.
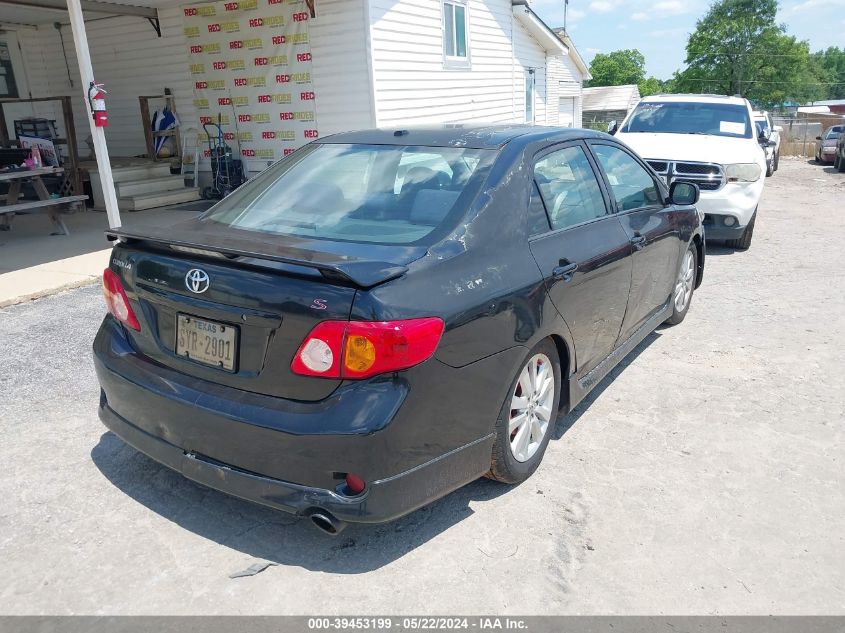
[[97, 99]]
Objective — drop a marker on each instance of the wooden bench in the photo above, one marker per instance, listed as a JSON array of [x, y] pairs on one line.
[[52, 206], [37, 206]]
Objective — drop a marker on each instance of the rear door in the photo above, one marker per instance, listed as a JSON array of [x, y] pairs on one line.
[[650, 225], [583, 252]]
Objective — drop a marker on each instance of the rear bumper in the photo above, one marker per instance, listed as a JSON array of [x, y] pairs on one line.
[[383, 500], [293, 455]]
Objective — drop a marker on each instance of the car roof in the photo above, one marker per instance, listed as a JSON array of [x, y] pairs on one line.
[[696, 98], [473, 136]]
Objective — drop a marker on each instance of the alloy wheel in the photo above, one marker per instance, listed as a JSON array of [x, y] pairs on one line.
[[686, 280], [531, 407]]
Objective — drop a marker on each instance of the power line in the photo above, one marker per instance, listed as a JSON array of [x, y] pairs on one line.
[[754, 81]]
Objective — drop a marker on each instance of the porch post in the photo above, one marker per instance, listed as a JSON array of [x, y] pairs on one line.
[[83, 56]]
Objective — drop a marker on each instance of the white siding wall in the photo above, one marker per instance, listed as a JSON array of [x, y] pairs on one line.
[[554, 72], [412, 85], [528, 54], [399, 67], [132, 61], [570, 87], [340, 70]]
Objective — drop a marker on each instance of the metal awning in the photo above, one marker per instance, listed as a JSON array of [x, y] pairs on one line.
[[37, 7]]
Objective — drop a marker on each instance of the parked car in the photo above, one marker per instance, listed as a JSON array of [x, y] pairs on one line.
[[826, 150], [708, 140], [769, 136], [346, 339], [839, 158]]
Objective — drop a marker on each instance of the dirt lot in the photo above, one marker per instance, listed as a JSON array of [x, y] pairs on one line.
[[704, 476]]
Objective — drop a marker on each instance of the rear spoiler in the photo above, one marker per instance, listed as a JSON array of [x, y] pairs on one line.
[[362, 273]]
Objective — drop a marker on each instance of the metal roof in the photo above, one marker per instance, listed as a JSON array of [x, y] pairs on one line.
[[610, 98]]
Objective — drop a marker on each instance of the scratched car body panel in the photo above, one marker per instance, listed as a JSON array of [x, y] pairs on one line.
[[453, 235]]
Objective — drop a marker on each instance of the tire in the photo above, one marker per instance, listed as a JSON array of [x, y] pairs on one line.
[[841, 166], [685, 283], [744, 243], [777, 160], [770, 168], [514, 465]]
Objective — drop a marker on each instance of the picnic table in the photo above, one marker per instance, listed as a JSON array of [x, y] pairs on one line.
[[52, 206]]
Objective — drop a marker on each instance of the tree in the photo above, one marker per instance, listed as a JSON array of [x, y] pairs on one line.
[[651, 86], [829, 68], [738, 48], [618, 68]]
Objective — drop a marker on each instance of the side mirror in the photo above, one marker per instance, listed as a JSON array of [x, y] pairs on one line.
[[771, 143], [612, 127], [818, 138], [684, 194]]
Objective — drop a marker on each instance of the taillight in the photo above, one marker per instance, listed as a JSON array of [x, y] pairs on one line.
[[116, 300], [360, 349]]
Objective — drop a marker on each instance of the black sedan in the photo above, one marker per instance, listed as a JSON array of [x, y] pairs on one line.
[[385, 316]]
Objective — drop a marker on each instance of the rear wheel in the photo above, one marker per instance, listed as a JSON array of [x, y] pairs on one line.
[[684, 286], [527, 417], [744, 243]]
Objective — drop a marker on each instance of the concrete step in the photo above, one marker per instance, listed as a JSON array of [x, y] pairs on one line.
[[158, 199], [129, 188], [141, 172]]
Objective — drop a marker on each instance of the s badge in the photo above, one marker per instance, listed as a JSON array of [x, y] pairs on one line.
[[319, 304]]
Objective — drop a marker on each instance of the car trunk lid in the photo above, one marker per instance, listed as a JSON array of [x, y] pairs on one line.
[[258, 294]]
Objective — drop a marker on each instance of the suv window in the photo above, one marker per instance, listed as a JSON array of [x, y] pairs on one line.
[[569, 187], [632, 186], [690, 117]]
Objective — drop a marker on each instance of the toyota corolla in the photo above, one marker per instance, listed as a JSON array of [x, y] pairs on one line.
[[385, 316]]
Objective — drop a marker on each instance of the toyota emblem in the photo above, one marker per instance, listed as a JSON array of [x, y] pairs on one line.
[[197, 280]]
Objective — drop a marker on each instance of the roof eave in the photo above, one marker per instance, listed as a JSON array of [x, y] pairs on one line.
[[541, 31]]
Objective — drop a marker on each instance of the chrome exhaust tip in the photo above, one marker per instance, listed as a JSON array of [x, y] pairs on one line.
[[325, 522]]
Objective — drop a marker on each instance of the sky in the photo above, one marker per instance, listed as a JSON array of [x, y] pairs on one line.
[[659, 28]]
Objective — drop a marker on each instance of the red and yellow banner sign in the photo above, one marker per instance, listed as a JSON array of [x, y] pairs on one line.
[[250, 62]]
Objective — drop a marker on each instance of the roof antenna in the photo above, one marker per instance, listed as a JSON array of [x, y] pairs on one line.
[[565, 11]]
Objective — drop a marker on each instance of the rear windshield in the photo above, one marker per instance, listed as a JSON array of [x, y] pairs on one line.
[[386, 194], [682, 117]]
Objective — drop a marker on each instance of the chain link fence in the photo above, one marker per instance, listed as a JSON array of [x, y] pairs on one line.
[[798, 137]]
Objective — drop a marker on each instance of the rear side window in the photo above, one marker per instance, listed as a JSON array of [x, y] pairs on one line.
[[569, 188], [384, 194], [632, 186]]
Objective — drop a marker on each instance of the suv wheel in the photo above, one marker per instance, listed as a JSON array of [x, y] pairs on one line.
[[744, 243]]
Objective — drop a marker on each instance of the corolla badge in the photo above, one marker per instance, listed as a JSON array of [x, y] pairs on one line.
[[197, 280]]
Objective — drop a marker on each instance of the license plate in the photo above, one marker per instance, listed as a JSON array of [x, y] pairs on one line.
[[207, 342]]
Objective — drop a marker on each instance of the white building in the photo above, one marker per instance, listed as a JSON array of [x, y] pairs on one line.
[[373, 63]]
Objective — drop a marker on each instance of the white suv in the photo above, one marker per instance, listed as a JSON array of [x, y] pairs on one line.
[[710, 140]]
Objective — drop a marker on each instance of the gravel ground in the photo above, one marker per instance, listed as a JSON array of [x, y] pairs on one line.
[[705, 476]]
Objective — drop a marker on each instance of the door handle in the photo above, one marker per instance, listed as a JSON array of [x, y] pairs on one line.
[[638, 242], [564, 271]]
